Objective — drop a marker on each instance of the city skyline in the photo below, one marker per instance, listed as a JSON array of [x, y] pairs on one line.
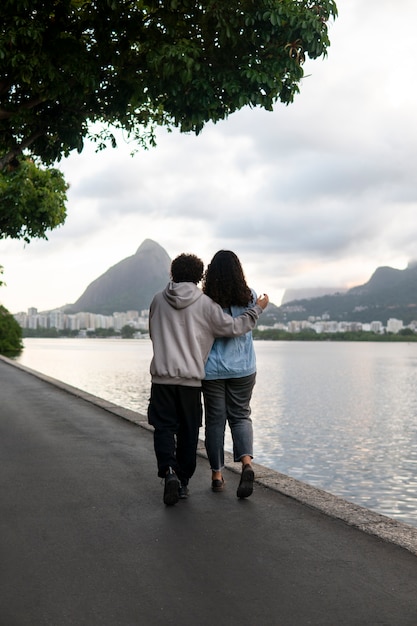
[[87, 321]]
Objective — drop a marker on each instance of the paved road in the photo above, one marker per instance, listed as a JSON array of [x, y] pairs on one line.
[[85, 539]]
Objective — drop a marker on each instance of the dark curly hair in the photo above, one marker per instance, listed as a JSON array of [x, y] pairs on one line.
[[187, 268], [224, 280]]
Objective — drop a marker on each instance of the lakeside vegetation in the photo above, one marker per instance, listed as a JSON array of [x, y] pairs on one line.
[[10, 331], [127, 332], [10, 334], [272, 334]]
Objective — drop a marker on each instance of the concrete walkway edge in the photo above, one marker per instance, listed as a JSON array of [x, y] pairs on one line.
[[390, 530]]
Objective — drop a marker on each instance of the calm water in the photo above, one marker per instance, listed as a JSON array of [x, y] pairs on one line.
[[339, 416]]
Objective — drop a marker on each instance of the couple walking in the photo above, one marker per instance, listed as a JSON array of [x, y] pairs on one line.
[[202, 340]]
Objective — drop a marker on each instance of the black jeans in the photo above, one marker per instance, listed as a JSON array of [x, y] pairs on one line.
[[175, 412]]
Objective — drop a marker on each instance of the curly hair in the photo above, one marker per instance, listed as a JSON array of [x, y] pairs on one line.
[[224, 280], [187, 268]]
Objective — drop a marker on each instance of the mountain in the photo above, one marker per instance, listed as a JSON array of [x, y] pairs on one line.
[[388, 293], [132, 283], [129, 285]]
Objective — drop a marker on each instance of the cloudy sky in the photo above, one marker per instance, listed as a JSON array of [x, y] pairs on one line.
[[319, 193]]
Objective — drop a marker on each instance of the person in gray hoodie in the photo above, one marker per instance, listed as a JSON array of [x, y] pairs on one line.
[[183, 324]]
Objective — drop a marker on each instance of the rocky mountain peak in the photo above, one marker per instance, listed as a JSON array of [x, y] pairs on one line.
[[128, 285]]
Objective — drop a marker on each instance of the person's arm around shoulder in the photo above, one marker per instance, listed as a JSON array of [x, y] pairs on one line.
[[224, 325]]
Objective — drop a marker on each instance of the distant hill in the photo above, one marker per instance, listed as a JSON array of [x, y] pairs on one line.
[[129, 285], [388, 293]]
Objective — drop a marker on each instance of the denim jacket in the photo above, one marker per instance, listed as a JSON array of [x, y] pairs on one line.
[[232, 357]]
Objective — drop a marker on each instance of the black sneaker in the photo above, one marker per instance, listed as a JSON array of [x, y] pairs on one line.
[[171, 489], [245, 488], [183, 492]]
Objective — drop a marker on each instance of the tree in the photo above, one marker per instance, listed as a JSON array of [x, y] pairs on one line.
[[32, 200], [10, 334], [137, 64], [77, 69], [406, 332], [10, 331], [127, 332]]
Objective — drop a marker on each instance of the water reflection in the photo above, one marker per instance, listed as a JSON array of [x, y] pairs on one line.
[[340, 416], [345, 417]]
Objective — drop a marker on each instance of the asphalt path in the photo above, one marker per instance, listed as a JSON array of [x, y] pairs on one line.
[[86, 540]]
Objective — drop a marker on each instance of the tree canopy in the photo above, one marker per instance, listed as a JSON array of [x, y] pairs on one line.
[[70, 67], [67, 64], [32, 200]]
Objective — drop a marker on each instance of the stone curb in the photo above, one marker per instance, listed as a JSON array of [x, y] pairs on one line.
[[367, 521]]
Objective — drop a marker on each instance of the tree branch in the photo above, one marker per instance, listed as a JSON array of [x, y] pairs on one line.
[[17, 150], [25, 106]]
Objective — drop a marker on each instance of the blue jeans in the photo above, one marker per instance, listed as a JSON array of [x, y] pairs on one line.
[[228, 400]]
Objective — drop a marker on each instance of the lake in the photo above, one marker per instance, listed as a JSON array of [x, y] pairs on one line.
[[337, 415]]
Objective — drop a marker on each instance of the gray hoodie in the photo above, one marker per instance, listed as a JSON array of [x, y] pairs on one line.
[[183, 323]]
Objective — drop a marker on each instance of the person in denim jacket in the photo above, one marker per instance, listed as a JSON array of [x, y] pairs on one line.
[[230, 375]]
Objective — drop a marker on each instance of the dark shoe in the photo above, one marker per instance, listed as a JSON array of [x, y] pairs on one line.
[[246, 482], [172, 485], [183, 492], [217, 485]]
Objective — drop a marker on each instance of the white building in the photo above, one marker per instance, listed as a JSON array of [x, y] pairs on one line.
[[56, 320], [376, 327], [394, 326]]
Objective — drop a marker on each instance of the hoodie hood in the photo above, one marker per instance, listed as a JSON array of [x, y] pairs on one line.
[[181, 295]]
